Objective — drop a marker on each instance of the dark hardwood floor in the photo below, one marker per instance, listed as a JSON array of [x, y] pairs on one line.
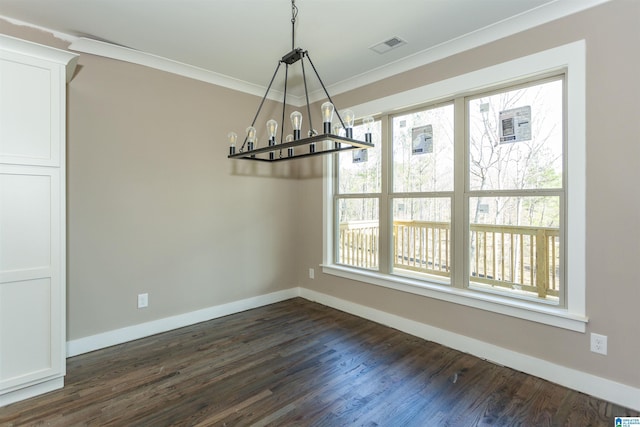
[[300, 363]]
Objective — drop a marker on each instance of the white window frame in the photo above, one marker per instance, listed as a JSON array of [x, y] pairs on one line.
[[572, 59]]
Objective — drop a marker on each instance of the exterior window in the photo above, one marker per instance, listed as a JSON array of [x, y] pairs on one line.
[[357, 204], [475, 198], [423, 172], [515, 190], [508, 186]]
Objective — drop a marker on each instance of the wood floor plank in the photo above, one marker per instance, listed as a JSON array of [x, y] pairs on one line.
[[299, 363]]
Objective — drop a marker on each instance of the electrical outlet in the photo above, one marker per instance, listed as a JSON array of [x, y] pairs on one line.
[[312, 273], [143, 300], [599, 343]]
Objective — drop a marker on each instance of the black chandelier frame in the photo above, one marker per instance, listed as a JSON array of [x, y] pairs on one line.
[[315, 141]]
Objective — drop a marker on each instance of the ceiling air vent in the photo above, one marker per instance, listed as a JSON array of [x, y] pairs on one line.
[[387, 45]]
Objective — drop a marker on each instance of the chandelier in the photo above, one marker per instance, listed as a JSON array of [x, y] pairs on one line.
[[331, 140]]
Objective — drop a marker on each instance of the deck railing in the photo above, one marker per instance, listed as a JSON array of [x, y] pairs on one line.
[[422, 246], [520, 258], [359, 244]]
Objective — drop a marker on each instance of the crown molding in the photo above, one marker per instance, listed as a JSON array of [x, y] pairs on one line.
[[47, 53], [121, 53]]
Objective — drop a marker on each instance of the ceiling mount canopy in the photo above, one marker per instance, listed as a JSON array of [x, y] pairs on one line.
[[331, 140]]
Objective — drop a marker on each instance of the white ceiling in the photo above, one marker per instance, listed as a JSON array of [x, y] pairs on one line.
[[243, 40]]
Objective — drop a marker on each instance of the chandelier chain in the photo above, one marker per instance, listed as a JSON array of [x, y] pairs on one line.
[[294, 16]]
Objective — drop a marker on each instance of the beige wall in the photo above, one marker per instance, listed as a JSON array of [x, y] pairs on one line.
[[613, 207], [154, 205]]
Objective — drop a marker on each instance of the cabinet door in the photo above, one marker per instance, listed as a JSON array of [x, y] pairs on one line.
[[31, 307], [31, 116]]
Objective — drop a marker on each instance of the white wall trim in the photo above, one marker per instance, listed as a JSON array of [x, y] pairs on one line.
[[46, 53], [31, 391], [134, 332], [593, 385], [121, 53], [521, 309]]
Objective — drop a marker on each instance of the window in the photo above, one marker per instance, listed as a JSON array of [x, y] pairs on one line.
[[515, 190], [464, 198], [358, 203], [512, 189], [423, 171]]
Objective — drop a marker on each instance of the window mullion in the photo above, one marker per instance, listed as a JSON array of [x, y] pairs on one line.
[[460, 215], [386, 227]]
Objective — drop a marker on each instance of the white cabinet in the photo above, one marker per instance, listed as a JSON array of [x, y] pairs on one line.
[[32, 217]]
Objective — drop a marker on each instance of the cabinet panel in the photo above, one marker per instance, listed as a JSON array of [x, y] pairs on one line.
[[29, 111], [25, 221], [25, 331]]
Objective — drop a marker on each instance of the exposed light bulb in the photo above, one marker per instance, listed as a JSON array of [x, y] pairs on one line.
[[296, 124], [251, 134], [233, 138], [348, 117], [289, 138], [327, 116], [368, 128], [337, 130], [272, 127], [251, 138], [368, 123]]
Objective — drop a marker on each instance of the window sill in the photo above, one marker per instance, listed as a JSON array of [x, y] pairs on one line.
[[534, 312]]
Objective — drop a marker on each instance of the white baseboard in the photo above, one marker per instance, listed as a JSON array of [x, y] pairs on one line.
[[130, 333], [31, 391], [599, 387], [602, 388]]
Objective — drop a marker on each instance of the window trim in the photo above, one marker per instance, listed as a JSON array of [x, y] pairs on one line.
[[570, 57]]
